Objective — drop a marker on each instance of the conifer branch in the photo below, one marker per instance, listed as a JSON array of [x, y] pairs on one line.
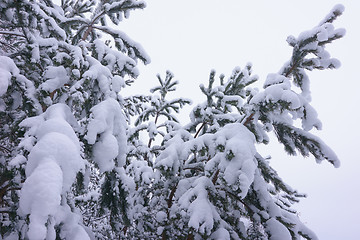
[[194, 168], [90, 25], [293, 67], [5, 149], [237, 198], [12, 34], [216, 175], [6, 211], [3, 191]]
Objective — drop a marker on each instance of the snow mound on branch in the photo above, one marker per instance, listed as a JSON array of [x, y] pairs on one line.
[[221, 233], [101, 73], [7, 69], [54, 133], [62, 150], [278, 88], [105, 150], [56, 78], [202, 212], [169, 158], [51, 169], [59, 126], [236, 161], [277, 230], [109, 123], [231, 153], [41, 196]]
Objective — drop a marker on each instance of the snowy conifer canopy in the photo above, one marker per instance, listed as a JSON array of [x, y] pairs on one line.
[[80, 161]]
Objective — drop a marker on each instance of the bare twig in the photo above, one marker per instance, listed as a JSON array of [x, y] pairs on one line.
[[198, 131], [248, 119], [216, 175]]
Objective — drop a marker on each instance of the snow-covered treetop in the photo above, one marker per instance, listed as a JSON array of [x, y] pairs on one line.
[[210, 169]]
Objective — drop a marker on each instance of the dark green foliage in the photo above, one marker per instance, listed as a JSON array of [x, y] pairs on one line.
[[256, 232], [113, 201]]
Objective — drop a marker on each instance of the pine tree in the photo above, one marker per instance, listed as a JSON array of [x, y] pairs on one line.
[[79, 161], [154, 117], [212, 183], [61, 83]]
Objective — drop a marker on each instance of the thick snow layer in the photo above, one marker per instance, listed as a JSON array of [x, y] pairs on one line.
[[277, 230], [274, 78], [41, 195], [311, 119], [105, 150], [109, 122], [100, 73], [59, 126], [160, 216], [278, 88], [201, 212], [7, 69], [56, 78], [117, 83], [62, 111], [16, 161], [169, 158], [62, 150], [71, 224], [103, 117], [237, 170], [241, 168], [5, 77], [55, 134], [51, 169], [221, 233]]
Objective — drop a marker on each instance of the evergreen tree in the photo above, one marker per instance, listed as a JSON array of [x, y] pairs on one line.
[[60, 109], [211, 182], [74, 166]]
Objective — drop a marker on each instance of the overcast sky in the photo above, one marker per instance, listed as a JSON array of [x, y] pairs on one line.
[[190, 38]]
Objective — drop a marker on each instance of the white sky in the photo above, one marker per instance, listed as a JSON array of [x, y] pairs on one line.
[[190, 38]]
